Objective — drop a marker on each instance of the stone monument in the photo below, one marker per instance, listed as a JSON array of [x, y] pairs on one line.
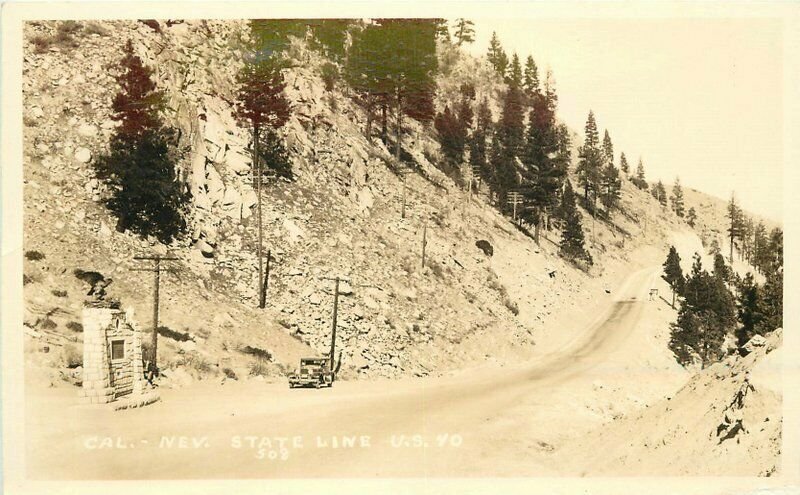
[[112, 356]]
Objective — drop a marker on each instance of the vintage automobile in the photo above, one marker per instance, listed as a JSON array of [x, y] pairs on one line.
[[313, 372]]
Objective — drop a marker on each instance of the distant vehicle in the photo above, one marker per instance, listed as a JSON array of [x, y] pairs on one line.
[[313, 372]]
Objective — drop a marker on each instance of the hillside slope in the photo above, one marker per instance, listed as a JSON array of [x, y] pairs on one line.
[[341, 216], [726, 421]]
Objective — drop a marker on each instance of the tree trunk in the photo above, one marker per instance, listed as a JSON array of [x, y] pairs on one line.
[[399, 130], [368, 130], [384, 124]]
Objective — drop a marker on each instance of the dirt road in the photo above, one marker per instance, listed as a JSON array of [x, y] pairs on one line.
[[491, 421]]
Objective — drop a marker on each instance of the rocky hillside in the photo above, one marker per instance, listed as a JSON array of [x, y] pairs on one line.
[[341, 216]]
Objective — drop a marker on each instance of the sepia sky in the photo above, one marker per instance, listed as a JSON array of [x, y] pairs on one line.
[[699, 98]]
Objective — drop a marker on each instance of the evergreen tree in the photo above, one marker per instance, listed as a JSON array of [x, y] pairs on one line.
[[478, 152], [771, 304], [274, 155], [735, 226], [591, 160], [673, 274], [691, 217], [660, 193], [544, 167], [677, 198], [721, 270], [760, 246], [623, 164], [146, 195], [608, 149], [640, 181], [707, 314], [367, 72], [452, 136], [531, 78], [262, 107], [572, 239], [497, 56], [464, 31], [749, 311], [412, 63], [611, 186], [514, 76]]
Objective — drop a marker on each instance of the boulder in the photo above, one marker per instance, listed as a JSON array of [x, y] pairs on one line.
[[87, 130], [83, 155], [205, 248], [754, 343], [485, 246]]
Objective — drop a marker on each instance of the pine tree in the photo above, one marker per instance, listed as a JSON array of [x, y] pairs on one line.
[[591, 160], [623, 164], [721, 270], [691, 217], [677, 198], [531, 78], [660, 193], [760, 247], [139, 167], [497, 56], [478, 152], [464, 31], [735, 226], [261, 105], [673, 274], [640, 181], [572, 238], [544, 167], [749, 310], [611, 186], [707, 314], [608, 148], [514, 76], [452, 136]]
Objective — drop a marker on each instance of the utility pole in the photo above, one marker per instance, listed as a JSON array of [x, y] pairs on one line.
[[403, 211], [263, 292], [336, 279], [258, 180], [156, 283], [514, 199], [424, 242]]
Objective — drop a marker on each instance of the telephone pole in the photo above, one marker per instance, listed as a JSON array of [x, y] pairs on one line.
[[337, 280], [258, 180], [156, 269], [514, 199], [424, 242]]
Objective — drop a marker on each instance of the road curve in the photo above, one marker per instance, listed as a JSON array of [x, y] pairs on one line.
[[413, 428]]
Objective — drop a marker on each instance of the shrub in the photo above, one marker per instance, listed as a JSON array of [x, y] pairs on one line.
[[27, 279], [330, 74], [174, 335], [257, 352], [196, 362], [259, 367], [511, 305], [59, 293], [95, 28], [41, 43], [436, 268], [48, 324], [229, 373], [75, 326], [34, 256], [72, 358]]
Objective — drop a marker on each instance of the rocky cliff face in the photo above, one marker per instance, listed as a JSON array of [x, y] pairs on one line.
[[340, 217]]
